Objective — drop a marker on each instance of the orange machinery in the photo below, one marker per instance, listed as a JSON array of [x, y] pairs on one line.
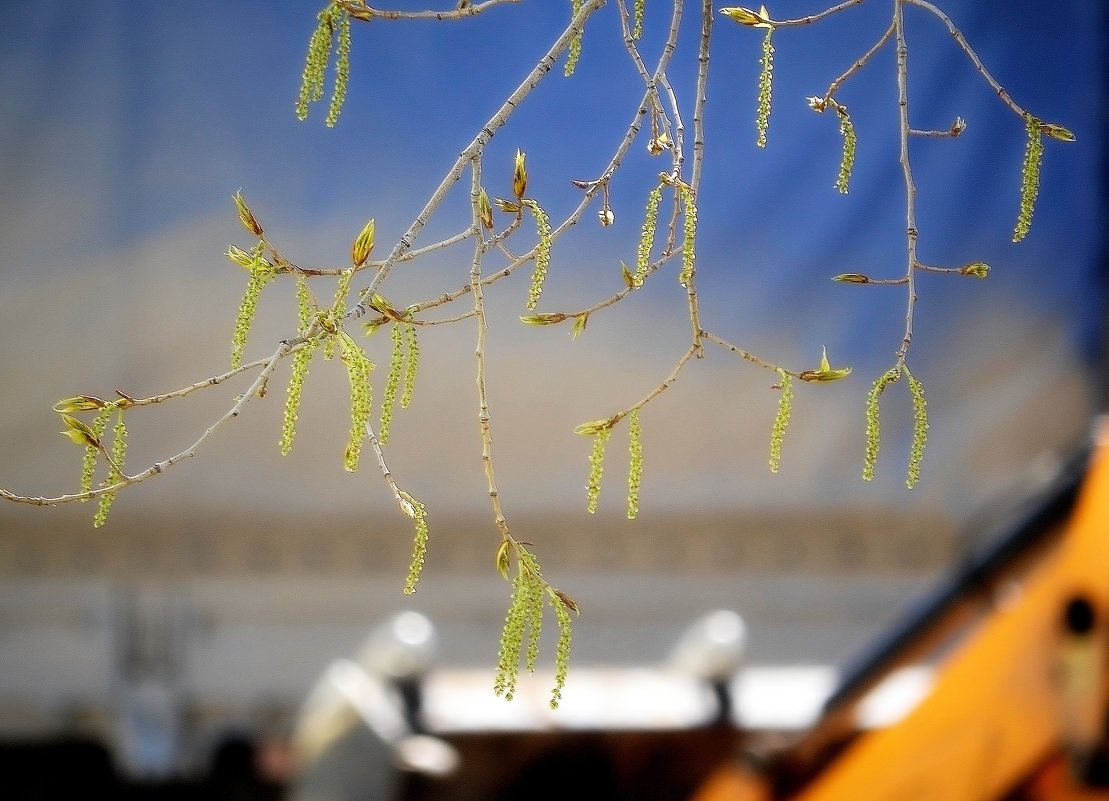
[[1017, 708]]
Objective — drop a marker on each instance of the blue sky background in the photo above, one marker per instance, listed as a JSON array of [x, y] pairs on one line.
[[126, 126]]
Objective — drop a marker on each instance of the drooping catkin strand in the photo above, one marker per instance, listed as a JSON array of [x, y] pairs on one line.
[[596, 469], [635, 465], [512, 638], [301, 361], [575, 43], [638, 12], [361, 397], [873, 431], [1029, 177], [411, 365], [338, 307], [647, 239], [781, 420], [920, 429], [418, 513], [762, 117], [542, 252], [392, 381], [261, 273], [535, 620], [562, 648], [689, 231], [115, 474], [342, 70], [304, 305], [315, 64], [88, 462], [847, 163]]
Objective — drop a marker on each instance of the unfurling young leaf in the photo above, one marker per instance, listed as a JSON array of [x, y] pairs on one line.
[[781, 420], [825, 372]]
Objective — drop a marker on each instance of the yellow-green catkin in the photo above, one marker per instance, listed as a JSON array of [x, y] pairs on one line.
[[534, 604], [361, 399], [847, 163], [315, 64], [920, 429], [261, 273], [342, 70], [419, 545], [88, 462], [635, 464], [781, 420], [542, 252], [392, 382], [762, 118], [689, 232], [411, 364], [873, 431], [338, 307], [301, 361], [115, 474], [596, 469], [647, 239], [638, 11], [304, 305], [575, 43], [562, 648], [1029, 177], [512, 638]]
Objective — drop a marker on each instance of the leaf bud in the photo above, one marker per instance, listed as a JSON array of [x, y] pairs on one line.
[[485, 210], [978, 269], [363, 243], [78, 403], [502, 559], [80, 433], [825, 372], [519, 175], [240, 257], [550, 318], [1057, 132], [851, 278], [246, 216]]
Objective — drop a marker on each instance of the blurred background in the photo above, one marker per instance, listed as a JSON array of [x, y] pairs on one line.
[[218, 593]]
